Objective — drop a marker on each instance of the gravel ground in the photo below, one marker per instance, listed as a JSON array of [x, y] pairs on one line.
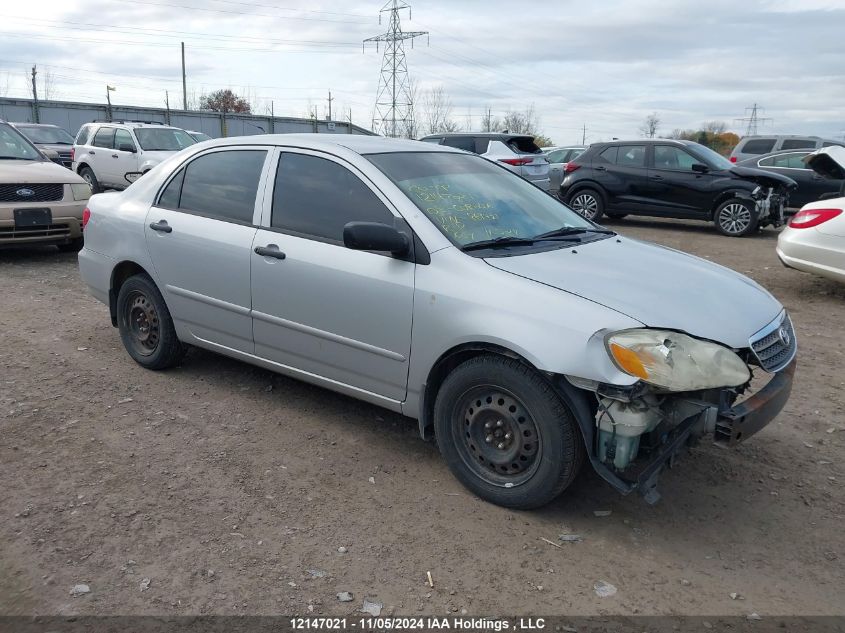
[[222, 488]]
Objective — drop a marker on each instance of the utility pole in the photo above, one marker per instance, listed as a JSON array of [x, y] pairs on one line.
[[184, 82], [394, 103], [753, 119], [330, 106], [349, 118], [35, 114], [108, 99], [167, 105], [584, 135]]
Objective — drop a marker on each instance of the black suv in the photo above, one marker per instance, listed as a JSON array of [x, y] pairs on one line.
[[673, 179]]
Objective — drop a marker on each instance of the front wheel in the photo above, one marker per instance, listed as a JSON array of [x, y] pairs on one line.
[[587, 202], [505, 433], [145, 326], [735, 218], [88, 174]]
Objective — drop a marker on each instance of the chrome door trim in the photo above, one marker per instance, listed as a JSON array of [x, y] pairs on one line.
[[217, 303]]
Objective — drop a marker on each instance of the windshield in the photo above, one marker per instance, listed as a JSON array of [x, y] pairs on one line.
[[13, 146], [471, 199], [710, 157], [54, 135], [199, 136], [163, 139]]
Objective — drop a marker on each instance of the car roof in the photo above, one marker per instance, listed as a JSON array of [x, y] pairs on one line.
[[480, 135], [358, 143], [648, 141], [30, 124]]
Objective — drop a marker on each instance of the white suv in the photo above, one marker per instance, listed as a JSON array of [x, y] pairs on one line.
[[112, 155]]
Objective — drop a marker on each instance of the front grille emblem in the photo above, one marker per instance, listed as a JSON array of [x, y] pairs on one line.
[[25, 193], [783, 334]]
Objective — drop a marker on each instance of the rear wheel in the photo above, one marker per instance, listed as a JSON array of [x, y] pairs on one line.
[[146, 328], [88, 174], [587, 202], [735, 218], [505, 433]]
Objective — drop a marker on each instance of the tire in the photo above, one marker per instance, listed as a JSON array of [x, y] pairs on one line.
[[735, 218], [88, 174], [505, 434], [145, 326], [616, 216], [587, 202], [74, 246]]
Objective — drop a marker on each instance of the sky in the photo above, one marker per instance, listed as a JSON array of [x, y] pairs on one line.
[[600, 65]]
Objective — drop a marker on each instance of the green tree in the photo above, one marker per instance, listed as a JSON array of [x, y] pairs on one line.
[[224, 100]]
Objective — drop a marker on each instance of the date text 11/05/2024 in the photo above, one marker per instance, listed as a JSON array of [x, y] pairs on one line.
[[416, 624]]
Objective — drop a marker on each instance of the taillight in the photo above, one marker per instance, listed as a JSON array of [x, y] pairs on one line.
[[72, 153], [517, 162], [809, 218], [570, 167], [733, 159], [86, 215]]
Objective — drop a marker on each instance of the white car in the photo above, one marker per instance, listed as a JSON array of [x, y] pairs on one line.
[[112, 155], [436, 283], [814, 240]]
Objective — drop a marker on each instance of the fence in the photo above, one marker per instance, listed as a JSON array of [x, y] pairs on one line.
[[70, 115]]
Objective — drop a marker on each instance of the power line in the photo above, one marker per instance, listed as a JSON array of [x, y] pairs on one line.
[[394, 82], [753, 120]]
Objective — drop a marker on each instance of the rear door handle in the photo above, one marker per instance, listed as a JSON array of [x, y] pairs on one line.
[[114, 156], [161, 226], [601, 168], [656, 177], [92, 152], [271, 250]]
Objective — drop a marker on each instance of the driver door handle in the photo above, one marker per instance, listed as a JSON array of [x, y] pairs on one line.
[[161, 226], [271, 250]]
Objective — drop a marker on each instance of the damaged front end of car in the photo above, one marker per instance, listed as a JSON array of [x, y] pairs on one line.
[[688, 389], [771, 196]]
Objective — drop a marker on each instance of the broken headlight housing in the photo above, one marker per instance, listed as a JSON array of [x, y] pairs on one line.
[[675, 361]]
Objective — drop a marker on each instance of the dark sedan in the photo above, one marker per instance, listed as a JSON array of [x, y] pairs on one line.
[[811, 186], [674, 179]]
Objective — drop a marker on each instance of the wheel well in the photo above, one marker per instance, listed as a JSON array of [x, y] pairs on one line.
[[587, 184], [81, 167], [444, 365], [727, 195], [121, 272]]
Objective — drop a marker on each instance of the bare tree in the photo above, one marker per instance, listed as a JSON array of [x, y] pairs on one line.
[[650, 125], [410, 126], [525, 122], [715, 127], [436, 112], [48, 85], [4, 85]]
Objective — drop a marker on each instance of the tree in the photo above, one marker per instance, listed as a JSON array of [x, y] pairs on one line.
[[526, 122], [436, 112], [489, 123], [224, 101], [650, 125]]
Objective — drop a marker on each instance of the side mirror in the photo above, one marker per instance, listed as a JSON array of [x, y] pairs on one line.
[[127, 147], [700, 168], [375, 236]]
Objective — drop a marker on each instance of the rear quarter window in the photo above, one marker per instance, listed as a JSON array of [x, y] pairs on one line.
[[523, 145], [757, 146], [84, 135], [466, 143]]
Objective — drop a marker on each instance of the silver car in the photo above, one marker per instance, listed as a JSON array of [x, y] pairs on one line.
[[525, 339], [558, 158]]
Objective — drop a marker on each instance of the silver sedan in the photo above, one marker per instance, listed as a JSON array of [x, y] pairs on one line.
[[525, 339]]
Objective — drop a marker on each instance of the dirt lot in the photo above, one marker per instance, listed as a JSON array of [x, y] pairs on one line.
[[231, 488]]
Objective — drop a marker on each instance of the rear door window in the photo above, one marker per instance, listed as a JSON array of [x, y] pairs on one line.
[[558, 156], [758, 146], [481, 145], [222, 185], [466, 143], [104, 137], [798, 143], [785, 161], [631, 156], [608, 155]]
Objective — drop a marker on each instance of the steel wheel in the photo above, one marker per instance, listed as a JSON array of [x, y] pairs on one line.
[[496, 438], [735, 218], [143, 324]]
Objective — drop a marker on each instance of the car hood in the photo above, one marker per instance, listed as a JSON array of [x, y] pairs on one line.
[[657, 286], [56, 147], [763, 177], [35, 171], [828, 161]]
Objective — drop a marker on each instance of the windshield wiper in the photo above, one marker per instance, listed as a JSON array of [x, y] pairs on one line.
[[566, 231], [497, 242], [16, 158]]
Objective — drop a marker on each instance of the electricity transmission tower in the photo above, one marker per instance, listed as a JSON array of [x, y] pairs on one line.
[[394, 110], [753, 119]]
